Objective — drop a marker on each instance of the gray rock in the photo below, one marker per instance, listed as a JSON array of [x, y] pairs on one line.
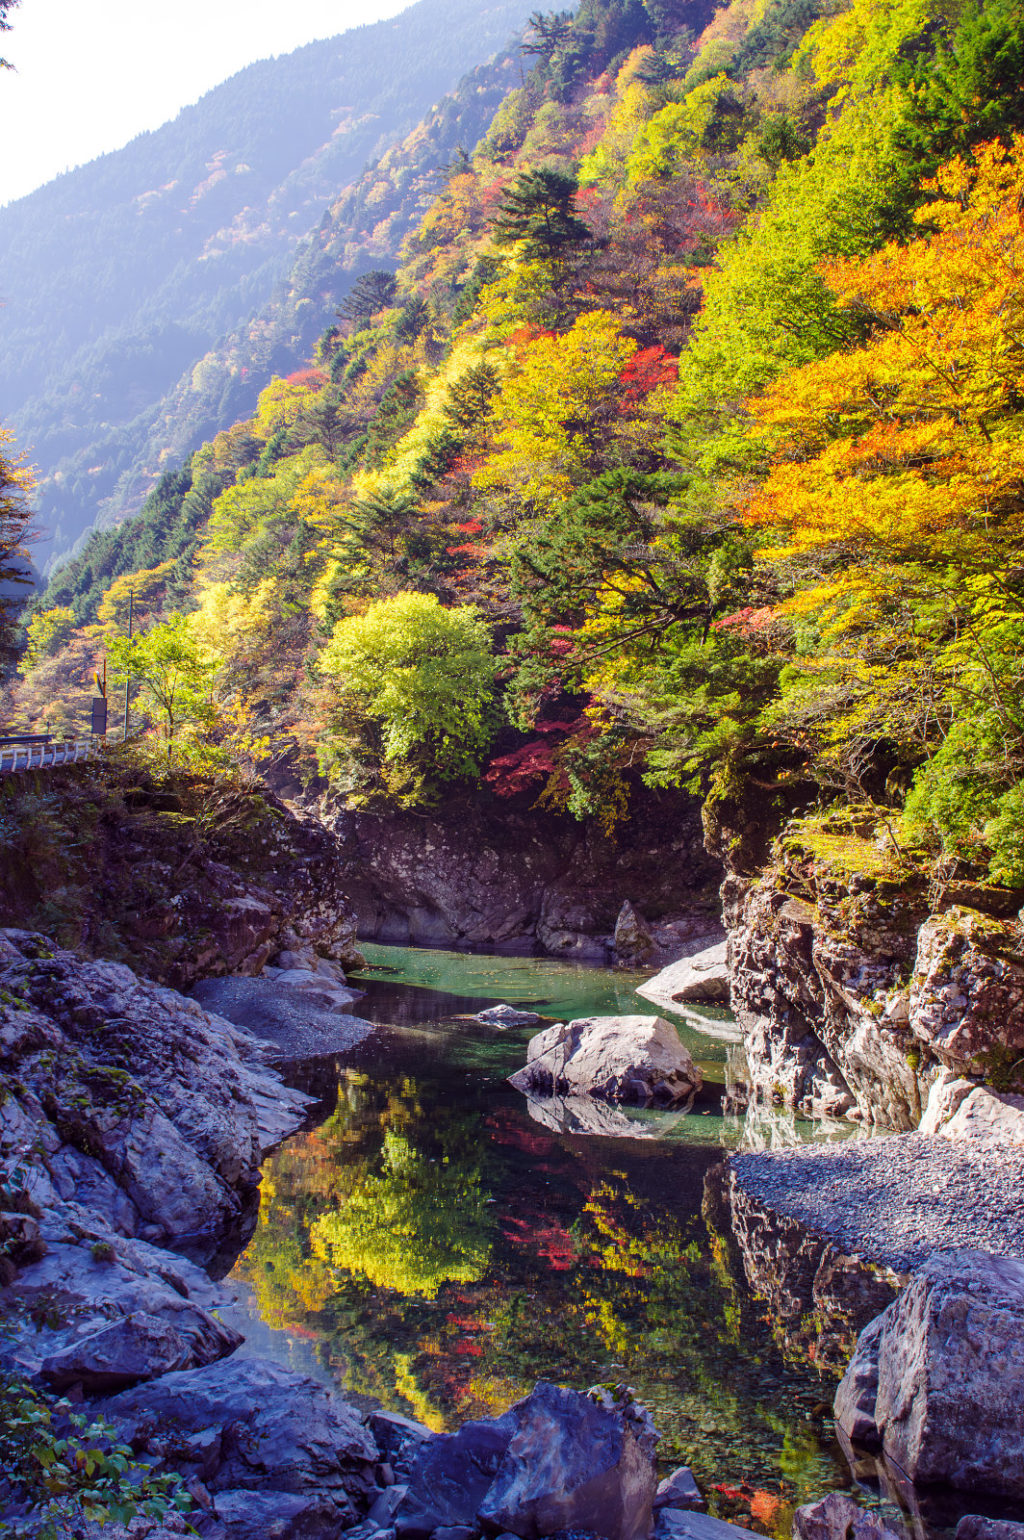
[[386, 1506], [451, 1477], [248, 1515], [507, 1016], [854, 1404], [137, 1347], [295, 1021], [836, 1517], [702, 977], [947, 1091], [573, 1462], [973, 1527], [620, 1058], [966, 995], [279, 1432], [398, 1438], [994, 1118], [633, 942], [456, 1532], [951, 1375], [679, 1524], [679, 1490]]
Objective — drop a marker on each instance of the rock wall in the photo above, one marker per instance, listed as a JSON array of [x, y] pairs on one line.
[[853, 995], [184, 876], [479, 874]]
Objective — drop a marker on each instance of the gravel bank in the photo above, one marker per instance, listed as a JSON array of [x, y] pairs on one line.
[[279, 1015], [897, 1199]]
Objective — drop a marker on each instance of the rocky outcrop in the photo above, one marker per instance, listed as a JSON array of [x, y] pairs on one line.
[[181, 875], [702, 977], [129, 1100], [485, 874], [853, 998], [938, 1382], [295, 1022], [636, 1059]]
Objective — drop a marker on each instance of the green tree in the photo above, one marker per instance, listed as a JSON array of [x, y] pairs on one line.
[[538, 212], [15, 517], [414, 690], [172, 668], [372, 292]]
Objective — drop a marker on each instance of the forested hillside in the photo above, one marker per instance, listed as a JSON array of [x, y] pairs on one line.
[[119, 276], [685, 447]]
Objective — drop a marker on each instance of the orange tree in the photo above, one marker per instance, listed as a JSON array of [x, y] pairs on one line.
[[895, 505]]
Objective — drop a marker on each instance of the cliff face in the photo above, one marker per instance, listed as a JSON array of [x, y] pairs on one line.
[[480, 874], [855, 989], [182, 875]]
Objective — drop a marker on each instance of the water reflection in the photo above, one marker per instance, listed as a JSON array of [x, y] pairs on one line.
[[440, 1250]]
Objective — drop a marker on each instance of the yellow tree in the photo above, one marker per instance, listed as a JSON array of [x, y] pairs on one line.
[[555, 409]]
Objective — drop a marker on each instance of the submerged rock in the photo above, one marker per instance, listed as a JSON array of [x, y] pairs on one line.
[[836, 1517], [507, 1016], [948, 1354], [702, 977], [619, 1058]]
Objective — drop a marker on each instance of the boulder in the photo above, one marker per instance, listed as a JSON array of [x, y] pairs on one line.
[[451, 1477], [854, 1404], [295, 1021], [973, 1527], [991, 1116], [136, 1347], [947, 1091], [837, 1517], [679, 1490], [950, 1364], [681, 1524], [636, 1059], [507, 1016], [702, 977], [967, 991], [249, 1426], [633, 943], [574, 1462]]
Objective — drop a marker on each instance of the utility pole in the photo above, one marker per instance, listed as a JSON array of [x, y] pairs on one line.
[[128, 666]]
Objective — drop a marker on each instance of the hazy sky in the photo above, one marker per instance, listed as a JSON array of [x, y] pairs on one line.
[[89, 76]]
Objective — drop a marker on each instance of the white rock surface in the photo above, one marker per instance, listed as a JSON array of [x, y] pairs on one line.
[[702, 977], [618, 1058]]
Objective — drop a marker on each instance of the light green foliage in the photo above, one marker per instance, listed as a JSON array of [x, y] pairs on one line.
[[48, 631], [173, 669], [415, 683]]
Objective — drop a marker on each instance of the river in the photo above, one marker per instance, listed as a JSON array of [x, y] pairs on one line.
[[431, 1246]]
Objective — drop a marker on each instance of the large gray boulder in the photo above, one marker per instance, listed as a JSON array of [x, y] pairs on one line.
[[574, 1462], [451, 1477], [636, 1059], [704, 977], [263, 1440], [949, 1352]]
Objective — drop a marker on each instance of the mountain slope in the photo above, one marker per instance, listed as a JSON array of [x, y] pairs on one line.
[[121, 274]]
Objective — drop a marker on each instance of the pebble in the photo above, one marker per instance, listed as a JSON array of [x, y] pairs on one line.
[[898, 1198]]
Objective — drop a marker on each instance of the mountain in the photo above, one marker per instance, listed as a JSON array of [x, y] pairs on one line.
[[119, 276]]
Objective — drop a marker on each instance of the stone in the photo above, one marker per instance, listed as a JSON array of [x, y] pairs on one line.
[[386, 1506], [974, 1527], [633, 942], [137, 1347], [679, 1490], [993, 1117], [451, 1477], [296, 1021], [280, 1432], [456, 1532], [680, 1524], [945, 1095], [636, 1059], [967, 991], [837, 1517], [855, 1399], [248, 1515], [702, 977], [574, 1462], [950, 1353], [507, 1016], [397, 1437]]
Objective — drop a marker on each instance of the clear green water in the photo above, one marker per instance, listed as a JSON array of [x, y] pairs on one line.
[[433, 1246]]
